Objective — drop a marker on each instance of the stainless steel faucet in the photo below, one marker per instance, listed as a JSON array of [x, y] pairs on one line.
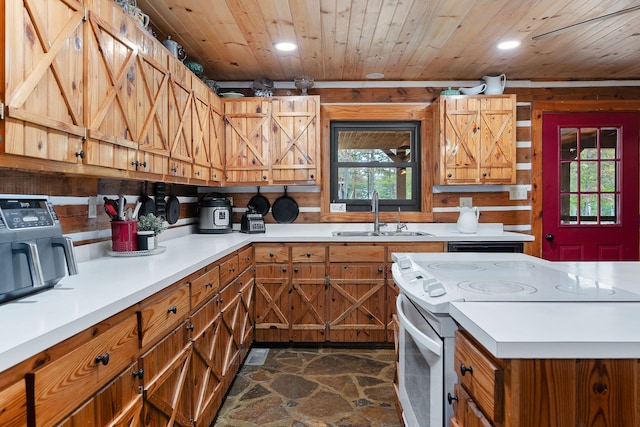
[[375, 208]]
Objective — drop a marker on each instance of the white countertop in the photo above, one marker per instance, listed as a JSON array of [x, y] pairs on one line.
[[534, 326], [106, 285], [556, 330]]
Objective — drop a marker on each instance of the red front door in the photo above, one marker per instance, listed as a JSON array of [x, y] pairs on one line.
[[590, 186]]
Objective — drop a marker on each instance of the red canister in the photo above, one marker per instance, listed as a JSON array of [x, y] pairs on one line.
[[124, 236]]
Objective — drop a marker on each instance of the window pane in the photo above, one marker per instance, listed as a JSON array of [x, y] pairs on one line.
[[608, 176], [588, 176], [569, 138], [569, 176], [588, 208], [374, 146], [359, 183], [608, 143], [588, 143], [568, 208], [608, 209]]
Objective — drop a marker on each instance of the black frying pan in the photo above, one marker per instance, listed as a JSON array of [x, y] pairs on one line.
[[285, 210], [260, 203], [148, 205], [173, 207]]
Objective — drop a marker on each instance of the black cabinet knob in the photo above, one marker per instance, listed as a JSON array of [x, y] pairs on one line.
[[173, 310], [549, 237], [464, 369], [139, 373], [190, 328], [451, 398], [104, 359], [80, 154]]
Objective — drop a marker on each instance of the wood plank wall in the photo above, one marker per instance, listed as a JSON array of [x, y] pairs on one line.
[[71, 193]]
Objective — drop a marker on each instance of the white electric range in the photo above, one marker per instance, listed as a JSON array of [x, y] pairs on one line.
[[429, 282], [434, 280]]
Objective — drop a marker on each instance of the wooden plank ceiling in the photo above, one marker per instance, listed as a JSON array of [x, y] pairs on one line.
[[405, 39]]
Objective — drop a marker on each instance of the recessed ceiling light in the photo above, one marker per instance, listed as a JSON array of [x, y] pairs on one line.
[[285, 46], [374, 76], [510, 44]]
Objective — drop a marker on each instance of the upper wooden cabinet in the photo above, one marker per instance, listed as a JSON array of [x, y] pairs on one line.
[[475, 139], [246, 131], [43, 84], [272, 140]]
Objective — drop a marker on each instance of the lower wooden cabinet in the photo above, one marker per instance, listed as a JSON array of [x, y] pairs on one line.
[[316, 292], [168, 360], [166, 389], [62, 385], [117, 404], [13, 405], [357, 302], [543, 392]]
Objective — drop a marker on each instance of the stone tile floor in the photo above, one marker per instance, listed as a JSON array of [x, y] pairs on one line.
[[314, 387]]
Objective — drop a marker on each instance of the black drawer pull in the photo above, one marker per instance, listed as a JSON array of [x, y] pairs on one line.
[[295, 270], [208, 285], [451, 398], [464, 369], [308, 254], [284, 270], [271, 254], [190, 328], [139, 373], [173, 310], [104, 359]]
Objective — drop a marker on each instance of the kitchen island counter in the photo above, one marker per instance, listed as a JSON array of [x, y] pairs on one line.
[[553, 330]]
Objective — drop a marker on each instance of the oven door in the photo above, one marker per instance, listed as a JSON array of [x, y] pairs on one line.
[[421, 368]]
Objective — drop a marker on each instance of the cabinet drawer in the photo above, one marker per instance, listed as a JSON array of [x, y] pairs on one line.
[[272, 271], [482, 377], [356, 253], [228, 270], [59, 387], [357, 271], [414, 247], [308, 254], [205, 286], [313, 272], [245, 258], [161, 314], [272, 253]]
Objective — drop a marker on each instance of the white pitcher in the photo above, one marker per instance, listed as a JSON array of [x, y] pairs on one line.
[[495, 84], [468, 220]]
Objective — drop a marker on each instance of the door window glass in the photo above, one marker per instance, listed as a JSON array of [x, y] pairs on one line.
[[589, 175]]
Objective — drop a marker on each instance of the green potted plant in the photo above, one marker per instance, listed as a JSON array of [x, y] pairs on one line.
[[149, 226]]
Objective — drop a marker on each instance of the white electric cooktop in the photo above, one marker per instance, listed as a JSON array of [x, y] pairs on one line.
[[434, 280]]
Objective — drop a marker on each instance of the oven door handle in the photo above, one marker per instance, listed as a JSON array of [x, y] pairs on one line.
[[421, 338]]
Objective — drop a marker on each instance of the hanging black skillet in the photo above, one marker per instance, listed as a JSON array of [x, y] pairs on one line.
[[173, 207], [148, 205], [285, 210], [260, 203]]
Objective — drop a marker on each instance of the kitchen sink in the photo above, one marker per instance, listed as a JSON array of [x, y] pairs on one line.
[[382, 233], [405, 233], [354, 233]]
